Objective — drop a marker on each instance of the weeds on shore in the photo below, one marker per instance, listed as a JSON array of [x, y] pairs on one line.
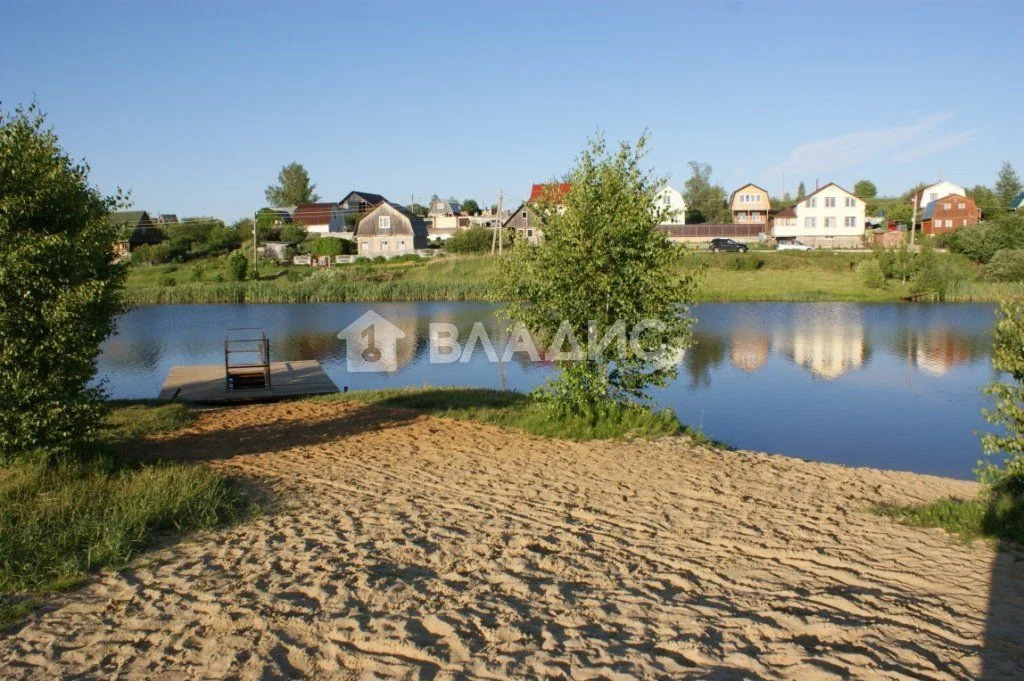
[[61, 521], [996, 515]]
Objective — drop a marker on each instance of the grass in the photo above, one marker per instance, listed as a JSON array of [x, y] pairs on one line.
[[57, 523], [515, 410], [992, 515], [817, 276]]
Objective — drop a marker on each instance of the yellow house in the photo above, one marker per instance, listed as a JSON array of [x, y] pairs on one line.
[[749, 204]]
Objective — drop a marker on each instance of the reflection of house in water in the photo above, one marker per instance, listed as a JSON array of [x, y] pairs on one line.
[[939, 350], [827, 340], [749, 349]]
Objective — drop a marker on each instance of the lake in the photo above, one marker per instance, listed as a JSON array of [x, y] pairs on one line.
[[888, 386]]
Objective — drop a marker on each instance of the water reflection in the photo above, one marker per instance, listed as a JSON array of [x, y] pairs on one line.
[[759, 375]]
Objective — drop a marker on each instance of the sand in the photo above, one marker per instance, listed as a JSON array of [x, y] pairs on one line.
[[413, 547]]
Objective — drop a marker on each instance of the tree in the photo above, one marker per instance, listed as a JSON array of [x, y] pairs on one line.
[[293, 187], [801, 190], [60, 293], [238, 265], [328, 245], [471, 206], [988, 201], [602, 265], [1008, 185], [865, 189], [1008, 359], [705, 202], [472, 240], [418, 209], [294, 233]]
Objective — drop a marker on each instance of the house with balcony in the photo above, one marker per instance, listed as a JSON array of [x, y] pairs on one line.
[[829, 217], [750, 204]]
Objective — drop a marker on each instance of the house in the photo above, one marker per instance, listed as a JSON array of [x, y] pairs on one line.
[[949, 214], [525, 221], [325, 219], [1018, 202], [750, 204], [355, 204], [166, 219], [135, 228], [389, 230], [829, 217], [939, 189], [444, 219], [670, 200]]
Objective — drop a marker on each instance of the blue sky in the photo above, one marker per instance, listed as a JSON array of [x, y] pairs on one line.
[[196, 106]]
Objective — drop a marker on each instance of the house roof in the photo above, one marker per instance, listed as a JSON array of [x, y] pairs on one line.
[[554, 191], [450, 206], [366, 197], [749, 184], [786, 213], [1018, 202], [313, 213], [135, 218], [826, 186], [143, 229], [418, 224]]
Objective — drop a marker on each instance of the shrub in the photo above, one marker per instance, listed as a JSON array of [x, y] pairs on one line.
[[472, 240], [197, 273], [327, 246], [744, 263], [1006, 265], [1008, 414], [895, 263], [870, 274], [934, 273], [238, 265], [60, 294], [980, 242], [167, 280]]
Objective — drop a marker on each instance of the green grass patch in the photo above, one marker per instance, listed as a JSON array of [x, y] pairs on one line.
[[515, 410], [996, 515], [57, 523]]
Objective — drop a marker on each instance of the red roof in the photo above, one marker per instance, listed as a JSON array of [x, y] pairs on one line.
[[551, 191], [313, 213]]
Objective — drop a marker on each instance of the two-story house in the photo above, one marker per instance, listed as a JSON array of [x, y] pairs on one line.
[[750, 204], [949, 214], [389, 230], [525, 220], [670, 201], [444, 218], [829, 217]]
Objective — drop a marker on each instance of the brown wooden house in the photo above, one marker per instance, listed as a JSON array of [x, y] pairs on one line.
[[949, 214], [389, 230], [135, 228]]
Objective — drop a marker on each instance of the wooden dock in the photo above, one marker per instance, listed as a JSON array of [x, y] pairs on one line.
[[205, 384]]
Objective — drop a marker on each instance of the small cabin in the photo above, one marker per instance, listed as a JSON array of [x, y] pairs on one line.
[[389, 230]]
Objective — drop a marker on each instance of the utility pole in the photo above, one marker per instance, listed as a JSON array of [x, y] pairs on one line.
[[255, 269], [913, 220], [500, 239]]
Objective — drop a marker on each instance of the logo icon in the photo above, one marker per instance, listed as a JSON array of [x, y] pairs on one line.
[[371, 344]]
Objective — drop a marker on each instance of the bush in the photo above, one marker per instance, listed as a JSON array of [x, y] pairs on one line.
[[1006, 265], [197, 273], [981, 242], [934, 273], [741, 263], [238, 265], [167, 280], [870, 274], [472, 240], [60, 294], [895, 263], [327, 245]]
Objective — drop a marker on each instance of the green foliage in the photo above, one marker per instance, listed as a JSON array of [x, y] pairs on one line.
[[418, 209], [934, 274], [294, 233], [472, 240], [980, 242], [293, 187], [870, 274], [60, 293], [1008, 185], [602, 262], [865, 189], [988, 202], [995, 514], [169, 250], [197, 273], [471, 206], [1006, 265], [168, 280], [326, 245], [238, 266], [705, 202], [895, 263], [1008, 412], [801, 191], [744, 262]]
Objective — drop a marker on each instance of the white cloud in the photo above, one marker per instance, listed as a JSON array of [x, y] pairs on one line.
[[899, 144]]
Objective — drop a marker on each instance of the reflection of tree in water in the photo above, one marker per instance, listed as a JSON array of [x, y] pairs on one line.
[[707, 351], [121, 352], [318, 345]]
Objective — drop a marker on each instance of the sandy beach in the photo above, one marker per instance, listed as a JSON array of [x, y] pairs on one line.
[[407, 546]]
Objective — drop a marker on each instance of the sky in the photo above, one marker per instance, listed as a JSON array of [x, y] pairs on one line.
[[195, 106]]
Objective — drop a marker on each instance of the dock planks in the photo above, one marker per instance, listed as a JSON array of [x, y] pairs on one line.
[[204, 383]]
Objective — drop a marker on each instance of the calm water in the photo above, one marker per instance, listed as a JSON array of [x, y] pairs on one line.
[[891, 386]]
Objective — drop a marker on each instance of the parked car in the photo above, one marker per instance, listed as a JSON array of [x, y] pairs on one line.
[[792, 246], [717, 245]]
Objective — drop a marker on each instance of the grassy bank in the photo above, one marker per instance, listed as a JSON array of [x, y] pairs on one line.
[[757, 276], [59, 523], [997, 516]]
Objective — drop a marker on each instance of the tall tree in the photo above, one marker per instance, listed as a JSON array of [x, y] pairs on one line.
[[471, 206], [293, 187], [801, 190], [602, 265], [705, 202], [989, 202], [60, 293], [1008, 185], [865, 189]]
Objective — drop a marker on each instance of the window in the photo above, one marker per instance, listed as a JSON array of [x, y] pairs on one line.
[[666, 200], [961, 206], [810, 223], [830, 222], [830, 202], [947, 206], [933, 196], [850, 221], [365, 246], [755, 216], [949, 223], [850, 202], [401, 244], [524, 214], [812, 202], [529, 232], [382, 246], [384, 222], [964, 222]]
